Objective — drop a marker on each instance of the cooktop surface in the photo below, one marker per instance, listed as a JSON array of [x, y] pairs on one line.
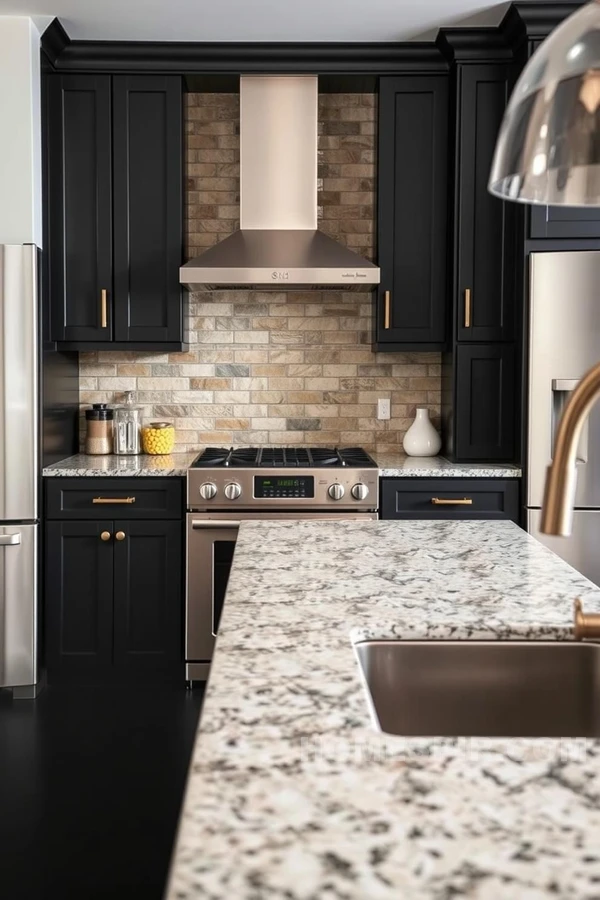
[[284, 457]]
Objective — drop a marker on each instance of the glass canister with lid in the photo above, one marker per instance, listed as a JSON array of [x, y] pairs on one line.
[[159, 438], [99, 434], [128, 427]]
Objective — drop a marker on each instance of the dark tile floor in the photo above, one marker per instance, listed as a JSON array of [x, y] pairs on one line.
[[91, 783]]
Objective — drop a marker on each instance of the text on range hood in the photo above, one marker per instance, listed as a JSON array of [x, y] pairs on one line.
[[278, 245]]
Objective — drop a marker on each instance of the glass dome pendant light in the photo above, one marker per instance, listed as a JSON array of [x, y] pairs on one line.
[[548, 149]]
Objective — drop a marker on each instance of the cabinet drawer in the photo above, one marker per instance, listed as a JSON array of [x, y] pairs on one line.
[[449, 498], [125, 498]]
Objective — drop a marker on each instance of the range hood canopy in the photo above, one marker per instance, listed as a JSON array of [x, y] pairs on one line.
[[278, 246]]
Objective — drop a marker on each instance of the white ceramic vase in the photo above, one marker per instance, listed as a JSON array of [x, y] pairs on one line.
[[422, 439]]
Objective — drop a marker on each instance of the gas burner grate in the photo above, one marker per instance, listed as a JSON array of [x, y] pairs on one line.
[[284, 457]]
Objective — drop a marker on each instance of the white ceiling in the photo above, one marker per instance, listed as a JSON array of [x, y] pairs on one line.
[[257, 20]]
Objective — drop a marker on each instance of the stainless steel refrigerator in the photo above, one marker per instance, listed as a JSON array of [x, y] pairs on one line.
[[19, 467], [564, 342]]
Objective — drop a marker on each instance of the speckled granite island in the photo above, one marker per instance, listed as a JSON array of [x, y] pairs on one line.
[[85, 466], [293, 794]]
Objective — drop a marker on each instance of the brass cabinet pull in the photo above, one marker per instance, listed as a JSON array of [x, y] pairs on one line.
[[104, 309], [114, 500], [441, 501], [105, 536], [387, 297], [120, 535], [468, 308], [585, 625]]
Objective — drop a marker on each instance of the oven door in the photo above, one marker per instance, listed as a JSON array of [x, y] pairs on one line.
[[211, 539]]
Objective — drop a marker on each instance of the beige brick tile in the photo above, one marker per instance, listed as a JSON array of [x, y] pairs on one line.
[[268, 397], [252, 356], [210, 384], [304, 369], [268, 424], [251, 337], [322, 384], [286, 356], [162, 384], [232, 397], [258, 410], [233, 424], [196, 397], [305, 396], [92, 369], [322, 410], [117, 384]]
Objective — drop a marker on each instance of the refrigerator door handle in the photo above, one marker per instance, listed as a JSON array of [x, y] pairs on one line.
[[561, 388], [9, 540]]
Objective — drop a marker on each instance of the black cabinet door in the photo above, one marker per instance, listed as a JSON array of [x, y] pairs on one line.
[[79, 600], [148, 606], [80, 207], [484, 408], [412, 203], [148, 213], [485, 233]]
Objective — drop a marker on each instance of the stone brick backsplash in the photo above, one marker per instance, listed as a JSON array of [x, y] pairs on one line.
[[275, 368]]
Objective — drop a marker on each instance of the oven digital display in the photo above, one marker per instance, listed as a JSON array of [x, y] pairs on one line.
[[301, 487]]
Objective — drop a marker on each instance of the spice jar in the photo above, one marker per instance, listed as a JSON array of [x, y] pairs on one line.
[[127, 427], [158, 438], [99, 436]]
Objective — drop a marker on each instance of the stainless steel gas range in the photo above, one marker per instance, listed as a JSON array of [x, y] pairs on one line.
[[227, 487]]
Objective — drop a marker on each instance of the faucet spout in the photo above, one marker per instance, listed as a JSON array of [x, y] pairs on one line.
[[561, 475]]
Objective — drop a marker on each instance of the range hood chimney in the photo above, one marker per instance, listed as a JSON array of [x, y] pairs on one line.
[[278, 246]]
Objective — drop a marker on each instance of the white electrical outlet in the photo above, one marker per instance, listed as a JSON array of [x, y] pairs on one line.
[[383, 409]]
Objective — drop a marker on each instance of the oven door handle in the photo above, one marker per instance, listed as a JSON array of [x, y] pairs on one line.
[[211, 523]]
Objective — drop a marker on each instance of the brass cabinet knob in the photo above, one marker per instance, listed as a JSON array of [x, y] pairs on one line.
[[120, 535], [105, 536]]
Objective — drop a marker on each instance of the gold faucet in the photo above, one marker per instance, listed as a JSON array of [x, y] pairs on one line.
[[561, 475], [585, 625]]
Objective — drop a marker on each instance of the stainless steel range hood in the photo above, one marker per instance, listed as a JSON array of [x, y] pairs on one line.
[[278, 246]]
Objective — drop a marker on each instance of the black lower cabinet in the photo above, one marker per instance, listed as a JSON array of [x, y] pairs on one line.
[[79, 599], [114, 600], [450, 498], [148, 597]]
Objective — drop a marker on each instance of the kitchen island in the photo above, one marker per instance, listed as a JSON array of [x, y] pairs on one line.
[[293, 794]]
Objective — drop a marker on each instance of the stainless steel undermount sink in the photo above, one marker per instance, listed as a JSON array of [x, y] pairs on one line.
[[483, 688]]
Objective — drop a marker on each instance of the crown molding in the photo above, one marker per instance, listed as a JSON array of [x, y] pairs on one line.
[[527, 19]]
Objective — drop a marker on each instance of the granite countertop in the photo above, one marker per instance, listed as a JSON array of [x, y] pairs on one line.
[[293, 794], [176, 464], [397, 465]]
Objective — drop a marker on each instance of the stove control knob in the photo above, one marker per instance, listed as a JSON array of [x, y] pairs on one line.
[[232, 491], [360, 491], [336, 491], [208, 490]]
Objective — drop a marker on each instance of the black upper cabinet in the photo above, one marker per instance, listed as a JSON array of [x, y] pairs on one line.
[[115, 191], [148, 211], [80, 214], [485, 225], [564, 222], [412, 217], [484, 403]]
